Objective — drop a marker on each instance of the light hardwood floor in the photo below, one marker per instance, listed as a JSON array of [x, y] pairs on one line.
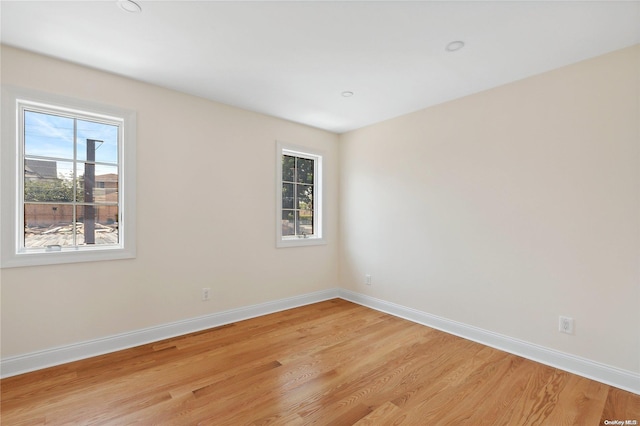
[[330, 363]]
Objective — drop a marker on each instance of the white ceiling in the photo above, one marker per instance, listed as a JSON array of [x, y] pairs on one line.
[[294, 59]]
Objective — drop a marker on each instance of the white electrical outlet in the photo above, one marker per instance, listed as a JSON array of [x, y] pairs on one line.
[[565, 325], [205, 293], [367, 279]]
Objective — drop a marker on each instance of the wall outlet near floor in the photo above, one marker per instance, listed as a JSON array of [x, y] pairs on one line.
[[206, 293], [367, 279], [565, 325]]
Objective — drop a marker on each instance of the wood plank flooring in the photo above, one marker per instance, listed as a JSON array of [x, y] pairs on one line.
[[330, 363]]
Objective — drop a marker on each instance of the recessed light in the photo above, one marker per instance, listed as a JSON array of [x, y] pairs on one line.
[[454, 45], [129, 6], [347, 94]]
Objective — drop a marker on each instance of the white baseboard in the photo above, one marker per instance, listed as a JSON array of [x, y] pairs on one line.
[[15, 365], [619, 378], [616, 377]]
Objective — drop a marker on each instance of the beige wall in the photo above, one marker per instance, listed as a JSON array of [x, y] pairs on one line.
[[193, 155], [508, 208]]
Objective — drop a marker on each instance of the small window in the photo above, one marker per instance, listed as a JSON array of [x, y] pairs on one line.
[[299, 198], [73, 177]]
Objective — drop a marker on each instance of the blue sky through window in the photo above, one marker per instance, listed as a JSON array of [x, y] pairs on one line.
[[48, 135]]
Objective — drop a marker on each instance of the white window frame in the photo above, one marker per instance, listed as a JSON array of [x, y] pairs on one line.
[[12, 177], [318, 237]]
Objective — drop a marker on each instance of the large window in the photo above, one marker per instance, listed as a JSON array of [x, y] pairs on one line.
[[299, 198], [73, 182]]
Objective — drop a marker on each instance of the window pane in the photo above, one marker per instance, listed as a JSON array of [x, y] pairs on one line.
[[104, 147], [98, 183], [300, 223], [287, 195], [305, 171], [305, 222], [288, 222], [48, 181], [288, 167], [48, 135], [97, 225], [48, 225], [305, 197]]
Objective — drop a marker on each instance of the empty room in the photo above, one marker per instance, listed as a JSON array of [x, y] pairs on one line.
[[320, 212]]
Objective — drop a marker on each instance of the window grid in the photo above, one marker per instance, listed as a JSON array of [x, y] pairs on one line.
[[299, 180], [298, 209], [88, 204], [116, 157]]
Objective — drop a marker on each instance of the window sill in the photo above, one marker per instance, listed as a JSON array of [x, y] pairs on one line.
[[66, 256], [299, 242]]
